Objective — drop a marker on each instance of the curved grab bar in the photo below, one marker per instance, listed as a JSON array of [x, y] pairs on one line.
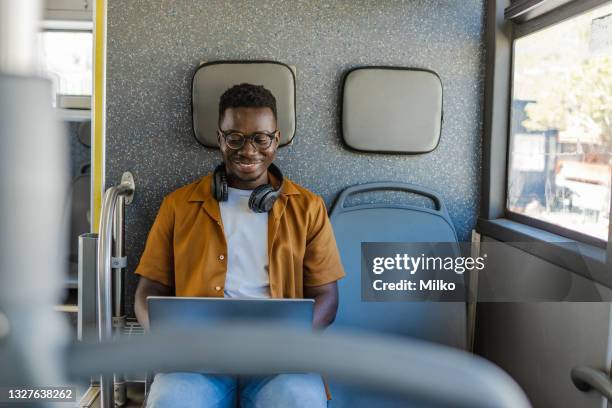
[[390, 185], [104, 278], [427, 372], [588, 378]]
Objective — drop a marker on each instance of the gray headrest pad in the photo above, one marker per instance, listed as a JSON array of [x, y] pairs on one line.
[[392, 110], [212, 79]]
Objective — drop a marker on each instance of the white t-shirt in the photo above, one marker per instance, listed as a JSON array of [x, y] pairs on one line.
[[246, 234]]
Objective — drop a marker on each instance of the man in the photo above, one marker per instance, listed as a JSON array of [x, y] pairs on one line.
[[207, 241]]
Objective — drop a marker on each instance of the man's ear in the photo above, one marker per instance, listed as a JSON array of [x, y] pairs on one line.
[[219, 137], [278, 137]]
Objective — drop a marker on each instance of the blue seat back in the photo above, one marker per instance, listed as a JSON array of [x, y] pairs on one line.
[[441, 322]]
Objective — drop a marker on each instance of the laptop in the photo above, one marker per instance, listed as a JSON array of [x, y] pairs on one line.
[[203, 312]]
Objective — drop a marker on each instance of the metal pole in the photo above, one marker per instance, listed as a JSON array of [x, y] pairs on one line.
[[118, 255], [120, 392], [105, 281], [104, 294]]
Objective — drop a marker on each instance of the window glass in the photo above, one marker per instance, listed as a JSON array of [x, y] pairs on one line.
[[561, 124], [66, 58]]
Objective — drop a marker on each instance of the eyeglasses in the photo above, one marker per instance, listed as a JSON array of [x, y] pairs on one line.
[[260, 140]]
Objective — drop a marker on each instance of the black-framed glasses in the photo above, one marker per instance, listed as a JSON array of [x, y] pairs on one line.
[[261, 140]]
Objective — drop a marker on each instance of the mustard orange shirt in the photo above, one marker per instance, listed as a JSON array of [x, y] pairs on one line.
[[186, 247]]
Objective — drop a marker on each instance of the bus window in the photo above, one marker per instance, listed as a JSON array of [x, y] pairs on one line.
[[66, 58], [561, 128]]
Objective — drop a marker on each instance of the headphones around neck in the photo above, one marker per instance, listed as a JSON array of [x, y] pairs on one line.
[[262, 198]]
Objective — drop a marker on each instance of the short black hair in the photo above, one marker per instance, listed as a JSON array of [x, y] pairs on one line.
[[247, 96]]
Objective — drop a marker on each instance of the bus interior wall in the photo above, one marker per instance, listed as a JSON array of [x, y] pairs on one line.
[[153, 52]]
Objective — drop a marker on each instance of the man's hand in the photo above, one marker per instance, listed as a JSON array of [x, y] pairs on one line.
[[147, 287], [326, 303]]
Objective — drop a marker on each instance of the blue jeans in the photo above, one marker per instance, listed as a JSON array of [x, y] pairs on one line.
[[187, 390]]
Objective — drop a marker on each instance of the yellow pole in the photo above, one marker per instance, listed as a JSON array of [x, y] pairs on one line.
[[99, 111]]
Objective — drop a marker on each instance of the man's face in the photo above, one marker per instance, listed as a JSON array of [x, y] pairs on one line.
[[247, 167]]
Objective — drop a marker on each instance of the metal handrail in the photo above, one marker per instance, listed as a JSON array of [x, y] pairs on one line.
[[109, 218], [588, 378], [419, 371]]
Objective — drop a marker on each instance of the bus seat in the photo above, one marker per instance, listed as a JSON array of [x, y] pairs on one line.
[[79, 195], [404, 104], [440, 322], [211, 79], [84, 133]]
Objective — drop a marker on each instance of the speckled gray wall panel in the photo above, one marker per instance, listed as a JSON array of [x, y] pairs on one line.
[[155, 46]]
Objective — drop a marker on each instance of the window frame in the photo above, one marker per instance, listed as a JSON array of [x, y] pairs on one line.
[[521, 30], [500, 37]]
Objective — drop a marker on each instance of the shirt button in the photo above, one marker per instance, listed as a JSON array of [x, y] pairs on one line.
[[217, 288], [221, 257]]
